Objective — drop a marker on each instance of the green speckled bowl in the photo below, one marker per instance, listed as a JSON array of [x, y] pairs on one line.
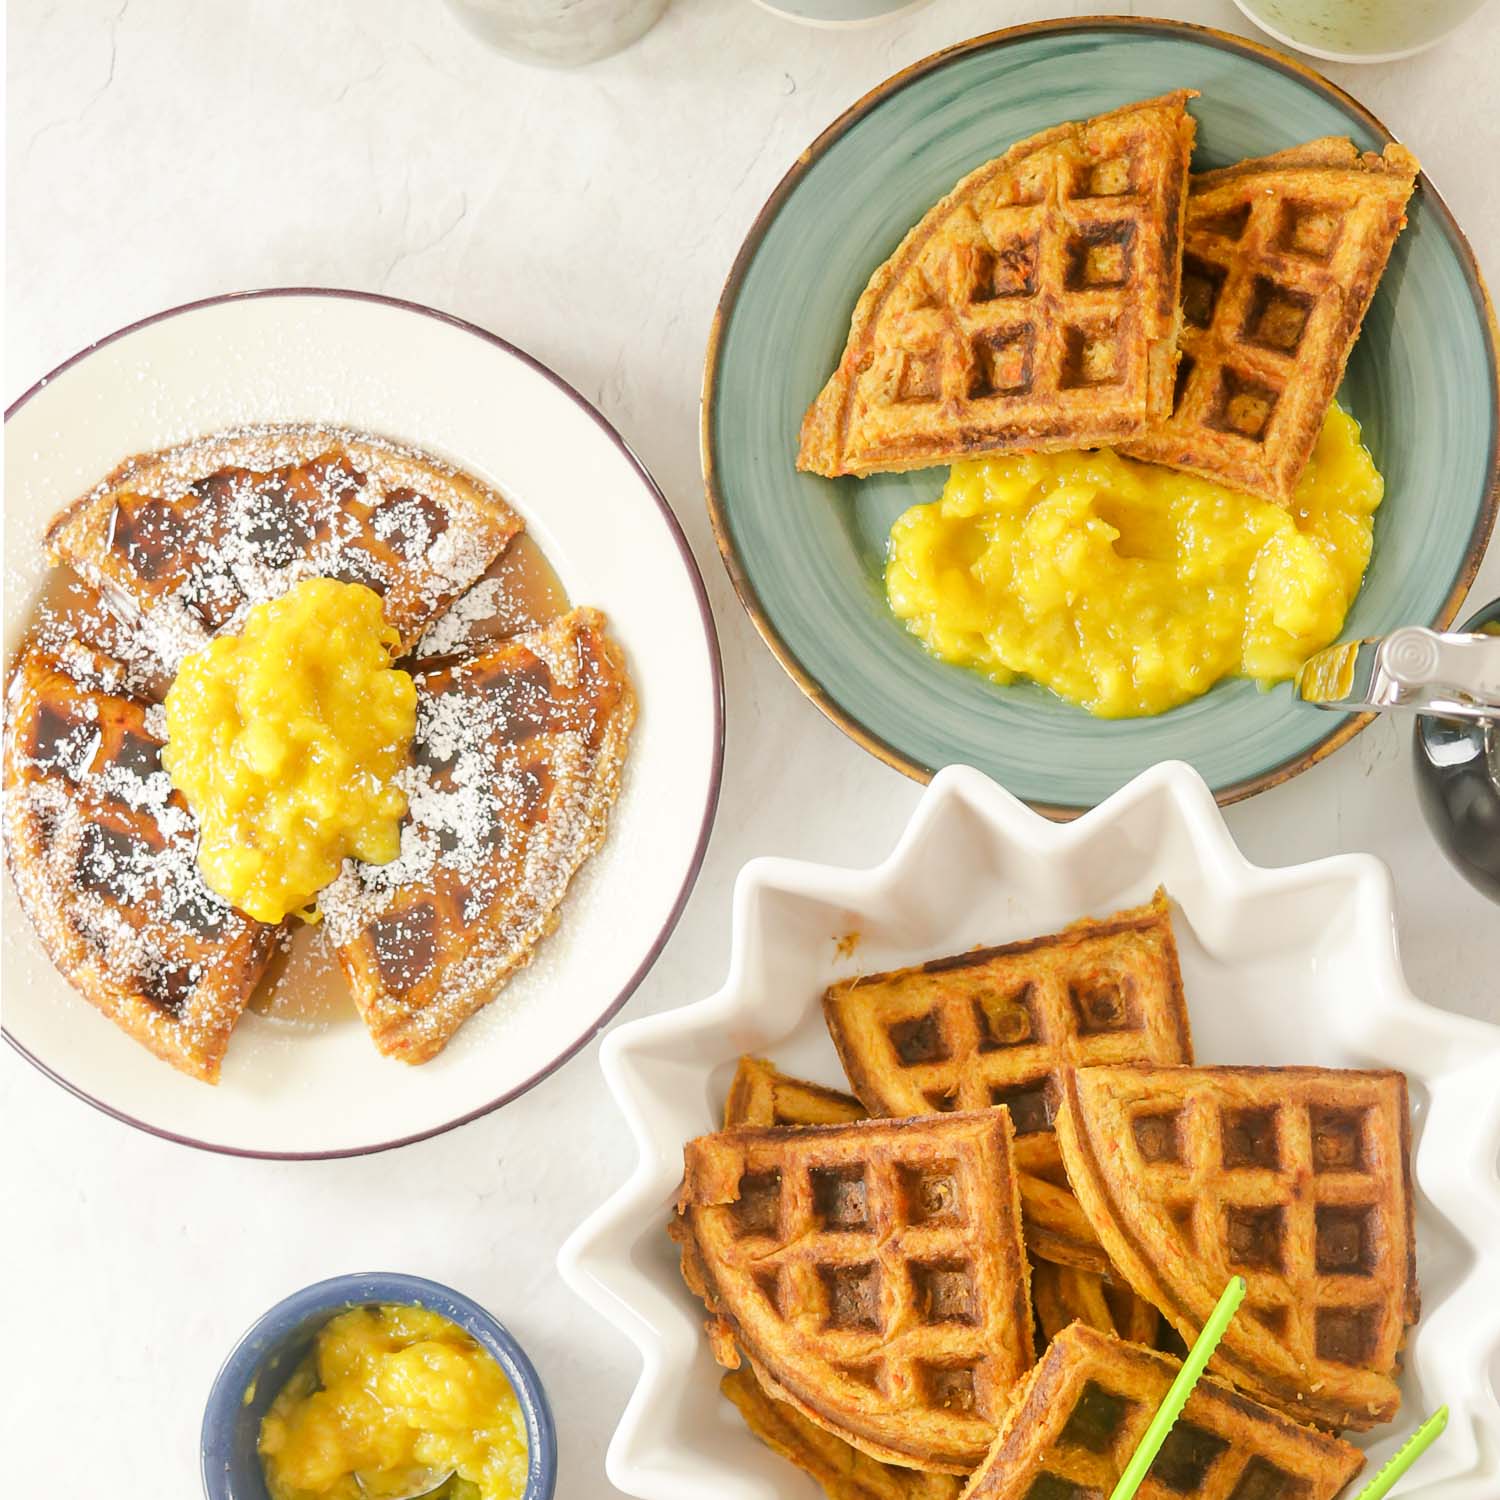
[[807, 554]]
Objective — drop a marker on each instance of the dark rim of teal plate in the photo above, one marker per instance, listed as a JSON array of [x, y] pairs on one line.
[[1345, 727]]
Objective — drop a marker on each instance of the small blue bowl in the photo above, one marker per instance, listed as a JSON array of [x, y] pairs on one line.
[[259, 1364]]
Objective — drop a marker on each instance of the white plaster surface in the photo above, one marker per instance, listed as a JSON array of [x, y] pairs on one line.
[[162, 150]]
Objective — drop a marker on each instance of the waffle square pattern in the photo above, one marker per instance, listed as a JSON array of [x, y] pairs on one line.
[[1282, 255], [516, 763], [873, 1274], [1296, 1179], [1075, 1423], [1032, 308], [104, 854], [993, 1026], [186, 541]]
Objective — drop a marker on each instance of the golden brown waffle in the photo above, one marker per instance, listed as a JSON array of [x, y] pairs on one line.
[[188, 539], [1062, 1295], [1281, 258], [844, 1472], [1054, 1226], [1297, 1179], [993, 1026], [763, 1095], [517, 760], [1076, 1421], [1034, 308], [872, 1273], [1057, 1229], [104, 856], [71, 614]]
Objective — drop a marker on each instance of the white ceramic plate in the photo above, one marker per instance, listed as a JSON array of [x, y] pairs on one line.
[[408, 373], [1280, 966]]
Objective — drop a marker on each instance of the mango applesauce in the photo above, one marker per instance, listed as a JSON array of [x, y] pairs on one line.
[[1129, 588], [398, 1396], [286, 740]]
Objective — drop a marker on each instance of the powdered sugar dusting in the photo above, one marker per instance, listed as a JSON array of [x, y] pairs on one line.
[[515, 763], [92, 644], [452, 629], [105, 859], [186, 541], [518, 752]]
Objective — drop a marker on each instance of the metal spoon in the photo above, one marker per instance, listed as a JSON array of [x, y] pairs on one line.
[[1454, 674], [425, 1482]]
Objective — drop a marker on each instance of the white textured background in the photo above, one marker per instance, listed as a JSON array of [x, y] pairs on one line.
[[161, 150]]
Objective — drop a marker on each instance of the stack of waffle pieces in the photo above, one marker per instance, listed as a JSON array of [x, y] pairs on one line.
[[1083, 289], [1030, 1160], [517, 759]]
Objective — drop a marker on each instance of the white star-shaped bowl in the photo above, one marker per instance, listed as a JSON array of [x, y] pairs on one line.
[[1297, 965]]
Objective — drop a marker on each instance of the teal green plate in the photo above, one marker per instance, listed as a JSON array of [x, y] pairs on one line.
[[806, 554]]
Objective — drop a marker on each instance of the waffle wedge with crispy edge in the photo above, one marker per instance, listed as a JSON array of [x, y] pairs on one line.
[[763, 1095], [1297, 1179], [186, 540], [1282, 255], [843, 1471], [873, 1275], [993, 1026], [1077, 1419], [516, 762], [104, 857], [1034, 308], [1062, 1295], [1055, 1228]]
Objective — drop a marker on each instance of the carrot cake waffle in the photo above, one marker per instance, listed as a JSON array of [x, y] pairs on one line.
[[762, 1095], [1074, 1423], [516, 763], [1055, 1227], [517, 760], [872, 1274], [1034, 308], [1282, 255], [875, 1328], [843, 1472], [1297, 1179], [994, 1025], [104, 856], [187, 540], [1062, 1295]]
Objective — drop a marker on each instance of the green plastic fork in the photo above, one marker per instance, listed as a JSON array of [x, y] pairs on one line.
[[1191, 1372], [1405, 1456], [1176, 1398]]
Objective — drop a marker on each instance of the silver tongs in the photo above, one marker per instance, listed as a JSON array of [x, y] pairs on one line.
[[1455, 675]]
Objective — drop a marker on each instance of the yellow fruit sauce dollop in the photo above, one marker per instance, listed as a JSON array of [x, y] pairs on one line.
[[286, 741], [1129, 588], [391, 1399]]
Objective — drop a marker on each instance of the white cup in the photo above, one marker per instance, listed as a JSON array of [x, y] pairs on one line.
[[833, 13], [1359, 30], [558, 33]]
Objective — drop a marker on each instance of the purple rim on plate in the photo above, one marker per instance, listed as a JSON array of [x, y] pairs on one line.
[[716, 771]]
